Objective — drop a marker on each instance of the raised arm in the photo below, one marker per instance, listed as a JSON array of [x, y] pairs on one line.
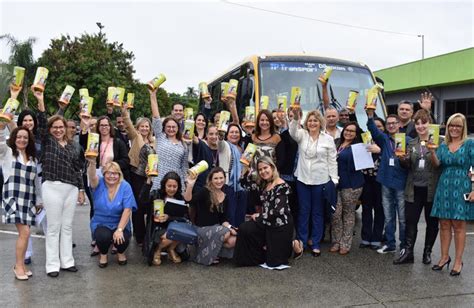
[[233, 110], [154, 104], [91, 173], [295, 131], [188, 193], [131, 131], [3, 142]]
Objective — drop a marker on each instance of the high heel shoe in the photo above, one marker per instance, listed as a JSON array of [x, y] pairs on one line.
[[157, 257], [173, 256], [20, 277], [456, 273], [440, 267]]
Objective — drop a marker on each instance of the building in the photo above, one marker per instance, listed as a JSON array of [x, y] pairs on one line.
[[449, 77]]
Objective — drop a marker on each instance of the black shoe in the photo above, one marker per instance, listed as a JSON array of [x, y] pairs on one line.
[[122, 262], [406, 256], [53, 274], [427, 256], [103, 265], [94, 253], [440, 267], [362, 245], [27, 261], [455, 273], [375, 247], [71, 269]]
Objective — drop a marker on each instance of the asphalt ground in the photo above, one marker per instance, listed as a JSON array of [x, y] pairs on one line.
[[361, 278]]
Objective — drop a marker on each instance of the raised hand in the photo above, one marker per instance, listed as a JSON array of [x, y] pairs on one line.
[[425, 101], [14, 91]]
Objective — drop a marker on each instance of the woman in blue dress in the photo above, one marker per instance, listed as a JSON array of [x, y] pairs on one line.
[[454, 156]]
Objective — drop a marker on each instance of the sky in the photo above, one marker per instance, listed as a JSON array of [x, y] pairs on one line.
[[194, 41]]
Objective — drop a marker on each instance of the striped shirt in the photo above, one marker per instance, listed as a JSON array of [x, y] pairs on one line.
[[171, 156]]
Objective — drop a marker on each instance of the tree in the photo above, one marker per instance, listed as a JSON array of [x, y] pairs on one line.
[[91, 62], [21, 54]]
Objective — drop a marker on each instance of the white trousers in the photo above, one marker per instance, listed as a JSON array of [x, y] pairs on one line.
[[59, 200]]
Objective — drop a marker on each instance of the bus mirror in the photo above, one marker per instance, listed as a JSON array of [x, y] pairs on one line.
[[246, 89]]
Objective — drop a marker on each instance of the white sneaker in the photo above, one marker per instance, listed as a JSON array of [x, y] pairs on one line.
[[385, 249]]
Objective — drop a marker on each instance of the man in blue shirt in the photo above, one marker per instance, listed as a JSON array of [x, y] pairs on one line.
[[392, 177]]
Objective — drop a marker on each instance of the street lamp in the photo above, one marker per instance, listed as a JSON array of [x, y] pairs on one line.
[[100, 27], [422, 45]]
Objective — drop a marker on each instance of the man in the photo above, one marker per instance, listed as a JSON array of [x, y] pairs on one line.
[[332, 117], [343, 117], [405, 113], [177, 112], [392, 177], [121, 132]]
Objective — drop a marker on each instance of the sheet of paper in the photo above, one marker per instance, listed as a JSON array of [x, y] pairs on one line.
[[362, 157]]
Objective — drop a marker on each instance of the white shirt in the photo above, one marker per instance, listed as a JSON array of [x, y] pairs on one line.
[[317, 162], [338, 132], [6, 159]]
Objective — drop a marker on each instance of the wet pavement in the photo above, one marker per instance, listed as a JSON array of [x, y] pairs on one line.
[[361, 278]]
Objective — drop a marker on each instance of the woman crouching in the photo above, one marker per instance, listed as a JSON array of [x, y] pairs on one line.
[[113, 206], [268, 237]]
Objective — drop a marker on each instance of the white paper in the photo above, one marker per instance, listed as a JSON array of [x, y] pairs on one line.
[[362, 157], [280, 267]]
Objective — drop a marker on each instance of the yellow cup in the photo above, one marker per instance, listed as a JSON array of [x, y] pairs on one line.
[[248, 154], [18, 76], [199, 168], [152, 164], [352, 100], [130, 100], [92, 149], [86, 106], [324, 77], [188, 131], [40, 79], [158, 207], [156, 82], [204, 90], [9, 110], [67, 94]]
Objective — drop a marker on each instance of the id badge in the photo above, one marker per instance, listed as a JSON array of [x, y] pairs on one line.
[[391, 162], [421, 164]]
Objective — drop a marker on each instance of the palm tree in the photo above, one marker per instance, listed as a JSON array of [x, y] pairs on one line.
[[21, 54]]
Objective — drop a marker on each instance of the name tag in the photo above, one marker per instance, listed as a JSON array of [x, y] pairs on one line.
[[421, 164], [391, 162]]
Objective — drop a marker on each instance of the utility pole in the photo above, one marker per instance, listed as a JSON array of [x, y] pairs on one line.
[[422, 45]]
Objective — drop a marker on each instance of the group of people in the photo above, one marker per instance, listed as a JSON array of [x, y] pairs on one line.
[[300, 185]]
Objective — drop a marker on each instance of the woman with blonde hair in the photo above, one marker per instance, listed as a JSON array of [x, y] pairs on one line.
[[268, 237], [454, 156], [316, 174], [114, 203], [141, 137]]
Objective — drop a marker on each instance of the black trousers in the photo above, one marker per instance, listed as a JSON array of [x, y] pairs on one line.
[[138, 217], [412, 216], [372, 212], [254, 236], [105, 236]]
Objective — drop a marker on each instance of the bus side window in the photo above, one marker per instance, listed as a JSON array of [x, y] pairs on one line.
[[245, 94]]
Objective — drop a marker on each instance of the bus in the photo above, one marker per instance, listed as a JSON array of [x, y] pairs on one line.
[[275, 75]]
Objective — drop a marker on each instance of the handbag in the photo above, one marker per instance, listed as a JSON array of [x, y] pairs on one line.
[[182, 232]]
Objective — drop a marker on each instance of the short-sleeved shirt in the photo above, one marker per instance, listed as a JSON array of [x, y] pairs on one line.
[[108, 213], [204, 216]]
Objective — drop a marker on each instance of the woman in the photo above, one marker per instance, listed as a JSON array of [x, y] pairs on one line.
[[62, 189], [419, 191], [141, 137], [234, 136], [372, 210], [111, 148], [316, 174], [21, 189], [210, 206], [172, 151], [455, 156], [200, 126], [170, 192], [114, 203], [267, 140], [268, 237], [349, 190]]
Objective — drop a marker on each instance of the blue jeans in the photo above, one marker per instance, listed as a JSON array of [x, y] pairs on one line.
[[393, 202], [311, 204]]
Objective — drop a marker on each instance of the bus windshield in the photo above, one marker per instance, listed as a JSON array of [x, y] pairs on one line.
[[277, 79]]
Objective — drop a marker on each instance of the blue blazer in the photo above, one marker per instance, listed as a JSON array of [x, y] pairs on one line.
[[348, 176]]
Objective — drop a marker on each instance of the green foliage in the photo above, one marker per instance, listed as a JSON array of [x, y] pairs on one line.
[[21, 54]]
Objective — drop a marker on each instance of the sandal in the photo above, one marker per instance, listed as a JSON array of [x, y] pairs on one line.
[[298, 249]]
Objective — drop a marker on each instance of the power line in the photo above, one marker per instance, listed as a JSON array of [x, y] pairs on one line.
[[319, 20]]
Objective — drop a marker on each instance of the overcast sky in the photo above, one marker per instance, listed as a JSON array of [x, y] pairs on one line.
[[194, 41]]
